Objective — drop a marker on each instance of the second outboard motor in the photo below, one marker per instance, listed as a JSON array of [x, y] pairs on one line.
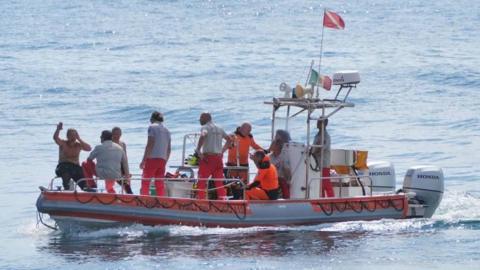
[[428, 184], [382, 174]]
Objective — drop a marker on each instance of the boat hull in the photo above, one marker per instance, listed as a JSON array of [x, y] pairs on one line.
[[105, 210]]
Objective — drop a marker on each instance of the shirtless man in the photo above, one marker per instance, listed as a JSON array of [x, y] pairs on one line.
[[68, 156]]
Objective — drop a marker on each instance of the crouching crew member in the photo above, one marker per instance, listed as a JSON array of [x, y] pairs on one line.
[[265, 185]]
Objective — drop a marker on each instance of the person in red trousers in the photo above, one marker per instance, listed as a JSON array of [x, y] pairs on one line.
[[210, 152], [322, 156], [157, 152]]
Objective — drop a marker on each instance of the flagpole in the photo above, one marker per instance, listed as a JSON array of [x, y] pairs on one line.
[[309, 73], [321, 51]]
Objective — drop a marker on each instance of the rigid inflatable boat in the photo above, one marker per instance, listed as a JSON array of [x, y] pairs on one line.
[[364, 189]]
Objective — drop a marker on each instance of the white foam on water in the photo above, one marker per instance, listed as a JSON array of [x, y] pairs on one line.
[[33, 229], [459, 206]]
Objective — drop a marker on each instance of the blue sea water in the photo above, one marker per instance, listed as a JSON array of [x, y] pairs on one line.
[[97, 64]]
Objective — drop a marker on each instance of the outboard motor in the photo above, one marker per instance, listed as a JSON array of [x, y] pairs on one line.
[[428, 184], [382, 174]]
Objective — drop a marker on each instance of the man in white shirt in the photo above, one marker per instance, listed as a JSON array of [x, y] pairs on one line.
[[116, 135], [210, 151], [322, 156], [110, 159], [155, 157]]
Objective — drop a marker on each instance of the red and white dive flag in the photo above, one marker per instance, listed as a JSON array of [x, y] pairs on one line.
[[333, 20]]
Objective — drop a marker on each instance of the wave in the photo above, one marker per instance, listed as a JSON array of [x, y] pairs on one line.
[[130, 113], [466, 124], [464, 78]]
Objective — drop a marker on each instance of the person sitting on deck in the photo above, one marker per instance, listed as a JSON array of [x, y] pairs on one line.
[[68, 161], [110, 159], [265, 184]]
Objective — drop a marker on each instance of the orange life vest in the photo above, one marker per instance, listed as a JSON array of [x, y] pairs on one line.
[[268, 177], [241, 145]]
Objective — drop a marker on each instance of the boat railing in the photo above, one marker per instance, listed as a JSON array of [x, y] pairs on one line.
[[227, 183], [345, 181], [341, 181]]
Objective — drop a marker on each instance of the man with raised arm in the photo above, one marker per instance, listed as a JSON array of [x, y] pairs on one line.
[[155, 157], [210, 152], [68, 157]]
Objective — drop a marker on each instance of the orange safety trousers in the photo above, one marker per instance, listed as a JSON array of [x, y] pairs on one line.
[[109, 183], [154, 168], [211, 166], [256, 193], [89, 171], [327, 189]]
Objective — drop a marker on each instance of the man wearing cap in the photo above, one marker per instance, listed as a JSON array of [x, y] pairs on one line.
[[210, 151], [156, 155]]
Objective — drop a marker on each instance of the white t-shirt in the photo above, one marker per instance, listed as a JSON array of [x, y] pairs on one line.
[[110, 158], [162, 139], [282, 163], [213, 138], [326, 151]]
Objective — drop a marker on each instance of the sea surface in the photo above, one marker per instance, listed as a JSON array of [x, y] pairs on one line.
[[98, 64]]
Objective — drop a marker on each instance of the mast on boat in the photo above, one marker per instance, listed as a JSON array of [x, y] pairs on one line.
[[345, 80]]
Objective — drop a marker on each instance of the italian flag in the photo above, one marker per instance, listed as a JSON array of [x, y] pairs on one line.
[[324, 81]]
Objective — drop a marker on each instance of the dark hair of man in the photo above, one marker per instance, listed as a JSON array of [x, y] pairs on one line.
[[70, 130], [116, 129], [262, 164], [324, 120], [106, 135], [157, 116]]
